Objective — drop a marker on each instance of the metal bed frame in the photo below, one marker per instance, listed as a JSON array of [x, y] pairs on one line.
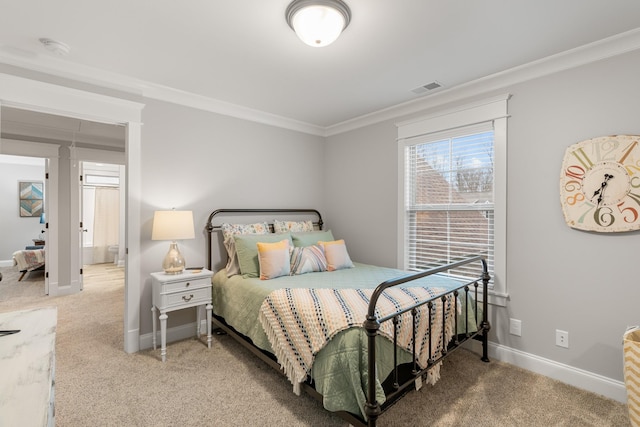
[[404, 377]]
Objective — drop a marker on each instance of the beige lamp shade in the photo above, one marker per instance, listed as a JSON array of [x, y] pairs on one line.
[[173, 225]]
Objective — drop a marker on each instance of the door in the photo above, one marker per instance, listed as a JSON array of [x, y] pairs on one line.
[[81, 227], [45, 225]]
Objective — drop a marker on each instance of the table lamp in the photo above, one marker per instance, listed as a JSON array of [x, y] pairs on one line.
[[173, 225]]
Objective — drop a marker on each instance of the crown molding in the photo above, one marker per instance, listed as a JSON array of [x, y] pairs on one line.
[[61, 68], [593, 52], [164, 93], [583, 55]]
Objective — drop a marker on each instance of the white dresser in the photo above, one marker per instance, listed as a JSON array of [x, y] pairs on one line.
[[27, 367]]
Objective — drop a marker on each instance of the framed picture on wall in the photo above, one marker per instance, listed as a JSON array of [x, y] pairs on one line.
[[31, 198]]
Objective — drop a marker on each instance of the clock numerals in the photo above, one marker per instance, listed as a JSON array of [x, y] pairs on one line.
[[629, 214], [583, 158], [628, 151], [590, 207], [634, 197], [603, 216], [575, 198], [632, 170], [575, 171]]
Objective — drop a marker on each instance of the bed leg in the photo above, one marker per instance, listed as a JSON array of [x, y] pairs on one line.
[[485, 325], [371, 408], [22, 275], [485, 341]]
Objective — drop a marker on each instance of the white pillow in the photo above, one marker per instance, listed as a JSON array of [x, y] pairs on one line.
[[273, 259], [336, 254]]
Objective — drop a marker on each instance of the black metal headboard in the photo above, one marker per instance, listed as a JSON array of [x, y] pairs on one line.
[[210, 228]]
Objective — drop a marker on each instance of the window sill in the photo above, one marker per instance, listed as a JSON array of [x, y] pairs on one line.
[[495, 298]]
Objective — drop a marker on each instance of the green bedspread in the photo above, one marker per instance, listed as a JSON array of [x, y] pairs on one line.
[[339, 369]]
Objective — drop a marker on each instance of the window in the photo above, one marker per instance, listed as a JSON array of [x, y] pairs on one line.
[[452, 201]]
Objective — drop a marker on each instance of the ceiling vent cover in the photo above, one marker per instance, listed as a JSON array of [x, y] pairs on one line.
[[426, 88]]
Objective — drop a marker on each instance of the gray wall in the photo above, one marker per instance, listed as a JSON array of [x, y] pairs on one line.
[[201, 161], [557, 277], [16, 232]]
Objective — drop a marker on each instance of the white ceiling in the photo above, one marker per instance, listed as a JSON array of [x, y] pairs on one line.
[[242, 52], [41, 127]]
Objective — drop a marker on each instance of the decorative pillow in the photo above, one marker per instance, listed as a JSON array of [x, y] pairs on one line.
[[273, 259], [284, 226], [230, 230], [247, 250], [336, 254], [311, 237], [308, 259]]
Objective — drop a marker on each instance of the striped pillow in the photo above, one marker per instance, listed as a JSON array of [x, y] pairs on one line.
[[308, 259]]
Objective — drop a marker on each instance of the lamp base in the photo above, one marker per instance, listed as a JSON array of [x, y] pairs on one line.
[[173, 263]]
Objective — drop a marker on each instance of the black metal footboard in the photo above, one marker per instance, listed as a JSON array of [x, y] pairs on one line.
[[372, 324]]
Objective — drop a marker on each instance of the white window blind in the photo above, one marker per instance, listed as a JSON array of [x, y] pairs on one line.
[[449, 198]]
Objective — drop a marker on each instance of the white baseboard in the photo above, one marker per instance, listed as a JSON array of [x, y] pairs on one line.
[[595, 383], [132, 344], [173, 334], [6, 263]]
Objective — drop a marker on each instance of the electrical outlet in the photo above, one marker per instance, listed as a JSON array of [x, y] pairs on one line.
[[515, 327], [562, 338]]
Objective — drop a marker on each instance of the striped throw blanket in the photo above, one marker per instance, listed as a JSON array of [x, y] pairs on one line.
[[300, 322]]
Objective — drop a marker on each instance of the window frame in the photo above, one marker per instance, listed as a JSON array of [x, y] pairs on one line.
[[491, 109]]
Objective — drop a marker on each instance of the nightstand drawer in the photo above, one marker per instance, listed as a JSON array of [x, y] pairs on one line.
[[187, 297], [183, 285]]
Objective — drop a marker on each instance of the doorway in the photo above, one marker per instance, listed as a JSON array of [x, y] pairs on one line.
[[33, 95], [101, 215], [74, 141]]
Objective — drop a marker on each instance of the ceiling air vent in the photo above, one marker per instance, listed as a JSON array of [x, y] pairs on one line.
[[426, 88]]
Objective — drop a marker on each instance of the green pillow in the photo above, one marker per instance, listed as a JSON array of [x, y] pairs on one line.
[[247, 250], [308, 238]]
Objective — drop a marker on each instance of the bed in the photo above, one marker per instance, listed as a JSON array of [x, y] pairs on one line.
[[28, 260], [331, 331]]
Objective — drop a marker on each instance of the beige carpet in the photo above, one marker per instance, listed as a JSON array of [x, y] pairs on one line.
[[97, 384], [32, 284]]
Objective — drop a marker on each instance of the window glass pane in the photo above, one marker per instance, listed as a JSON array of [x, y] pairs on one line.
[[450, 201]]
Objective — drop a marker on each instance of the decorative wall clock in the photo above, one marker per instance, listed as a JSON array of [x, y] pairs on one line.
[[600, 184]]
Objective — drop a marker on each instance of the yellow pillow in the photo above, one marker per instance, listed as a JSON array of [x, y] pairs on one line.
[[273, 259], [336, 254]]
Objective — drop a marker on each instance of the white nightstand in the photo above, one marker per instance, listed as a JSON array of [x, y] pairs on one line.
[[175, 292]]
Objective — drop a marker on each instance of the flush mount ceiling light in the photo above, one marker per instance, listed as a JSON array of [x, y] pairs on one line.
[[55, 46], [318, 23]]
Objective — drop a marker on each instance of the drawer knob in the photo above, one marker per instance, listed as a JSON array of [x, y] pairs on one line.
[[187, 298], [187, 285]]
